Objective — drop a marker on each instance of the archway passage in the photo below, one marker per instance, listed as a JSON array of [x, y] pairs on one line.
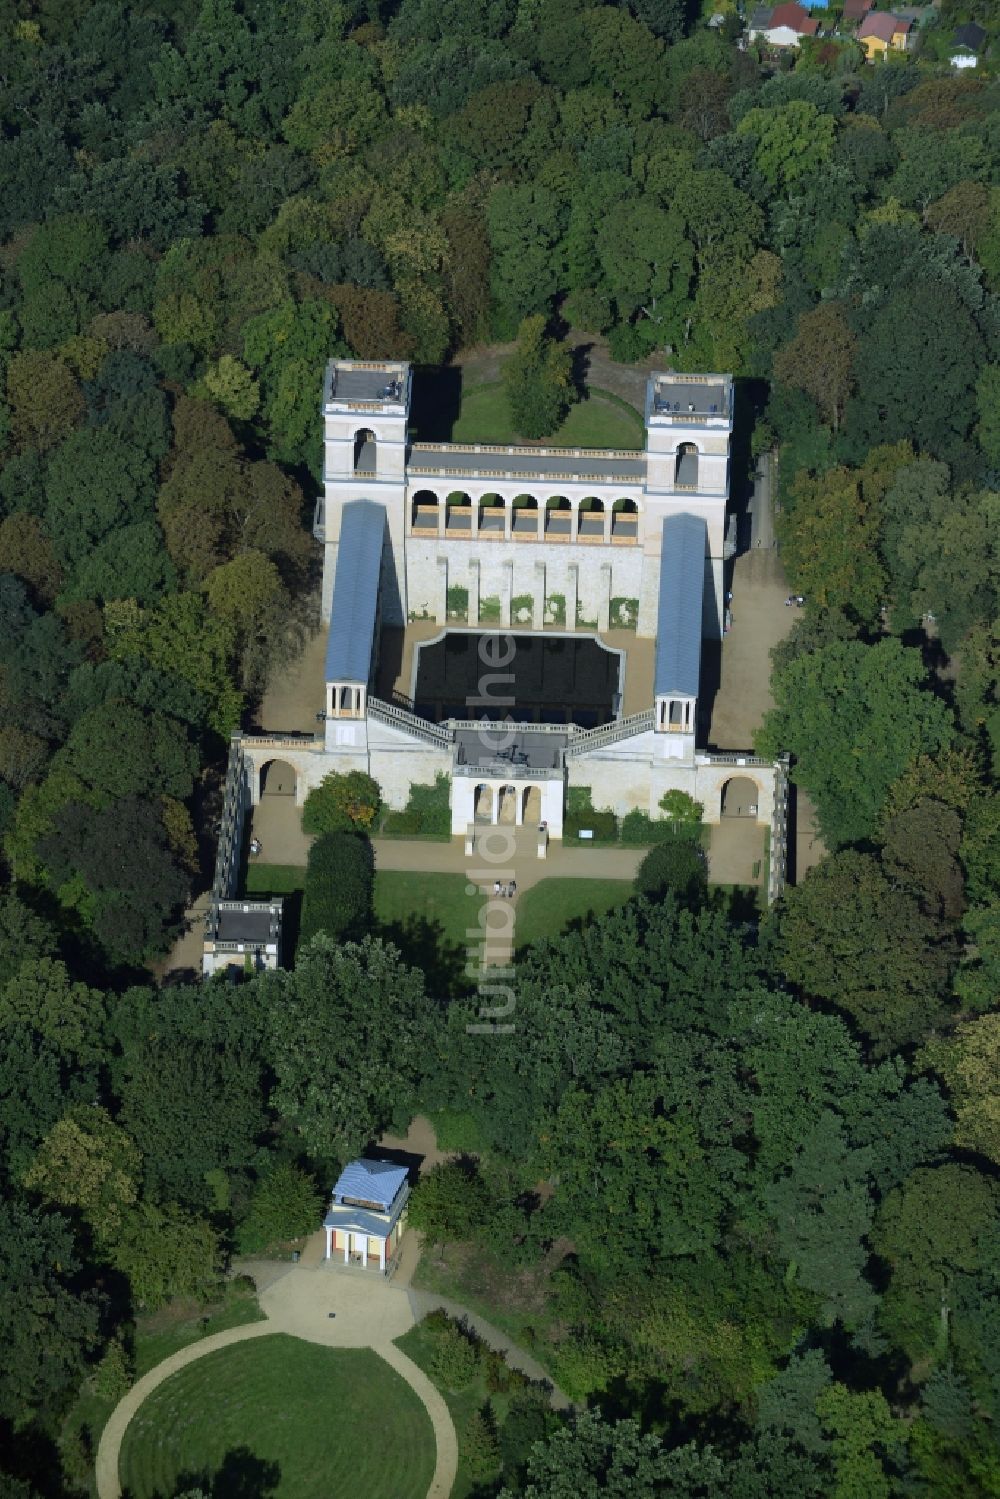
[[740, 797], [364, 451], [484, 804], [508, 804], [532, 810], [277, 778]]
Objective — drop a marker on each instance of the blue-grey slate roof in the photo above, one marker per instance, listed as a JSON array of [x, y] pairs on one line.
[[351, 638], [370, 1181], [678, 621]]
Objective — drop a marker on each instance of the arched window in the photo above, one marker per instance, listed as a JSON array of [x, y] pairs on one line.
[[364, 451], [558, 518], [625, 521], [458, 511], [492, 512], [686, 470], [525, 517], [591, 526], [424, 511]]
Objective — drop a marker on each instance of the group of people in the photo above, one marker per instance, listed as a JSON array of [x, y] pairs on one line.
[[508, 890]]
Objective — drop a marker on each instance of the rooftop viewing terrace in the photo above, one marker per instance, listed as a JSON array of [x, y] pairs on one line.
[[371, 383], [680, 397]]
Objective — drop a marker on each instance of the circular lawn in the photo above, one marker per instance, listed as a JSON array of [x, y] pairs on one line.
[[281, 1419]]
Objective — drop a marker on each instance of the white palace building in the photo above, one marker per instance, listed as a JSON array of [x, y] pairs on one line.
[[578, 583]]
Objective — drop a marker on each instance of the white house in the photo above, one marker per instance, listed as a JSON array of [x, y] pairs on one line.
[[367, 1214]]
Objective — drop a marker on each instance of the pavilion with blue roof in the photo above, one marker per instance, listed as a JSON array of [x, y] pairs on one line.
[[677, 670], [354, 617], [367, 1215]]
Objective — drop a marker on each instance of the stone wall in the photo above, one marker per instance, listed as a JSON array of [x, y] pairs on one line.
[[587, 575], [631, 776]]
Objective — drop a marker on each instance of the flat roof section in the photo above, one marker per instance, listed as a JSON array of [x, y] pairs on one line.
[[238, 925], [518, 746], [678, 621], [350, 642]]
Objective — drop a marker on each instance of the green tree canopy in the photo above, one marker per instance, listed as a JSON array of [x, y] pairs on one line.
[[853, 716]]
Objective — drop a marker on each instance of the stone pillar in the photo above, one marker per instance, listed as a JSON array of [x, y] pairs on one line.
[[538, 597], [519, 806], [508, 520], [442, 515], [473, 516], [441, 609], [473, 592], [381, 1255], [604, 598], [607, 525], [364, 1251], [329, 1237], [506, 594], [572, 595], [347, 1246], [574, 519]]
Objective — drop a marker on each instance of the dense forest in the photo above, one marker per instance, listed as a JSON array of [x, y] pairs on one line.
[[750, 1170]]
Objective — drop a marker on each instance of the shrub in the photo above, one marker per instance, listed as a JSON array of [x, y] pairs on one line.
[[480, 1446], [676, 867], [601, 824], [454, 1360], [341, 802], [680, 808], [457, 602], [337, 898], [406, 821], [638, 828], [113, 1375], [432, 804], [283, 1205]]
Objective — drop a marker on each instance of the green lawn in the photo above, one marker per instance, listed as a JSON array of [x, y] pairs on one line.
[[551, 906], [285, 1419], [157, 1336], [275, 879], [601, 421], [429, 916]]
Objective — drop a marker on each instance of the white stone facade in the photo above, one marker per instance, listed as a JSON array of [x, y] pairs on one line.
[[523, 539]]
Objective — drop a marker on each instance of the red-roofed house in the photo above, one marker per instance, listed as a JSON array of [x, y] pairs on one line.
[[786, 25], [881, 30], [856, 10]]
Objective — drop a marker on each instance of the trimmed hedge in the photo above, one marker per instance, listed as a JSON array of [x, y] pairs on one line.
[[338, 894]]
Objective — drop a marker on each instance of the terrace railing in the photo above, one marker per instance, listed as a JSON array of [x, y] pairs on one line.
[[610, 733], [401, 718]]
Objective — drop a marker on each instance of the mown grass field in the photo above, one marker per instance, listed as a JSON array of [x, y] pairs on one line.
[[284, 1419], [602, 420], [553, 906]]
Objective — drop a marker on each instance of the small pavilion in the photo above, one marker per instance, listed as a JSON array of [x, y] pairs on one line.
[[367, 1216]]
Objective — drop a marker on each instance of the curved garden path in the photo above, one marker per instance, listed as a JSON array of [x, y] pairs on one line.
[[366, 1313]]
